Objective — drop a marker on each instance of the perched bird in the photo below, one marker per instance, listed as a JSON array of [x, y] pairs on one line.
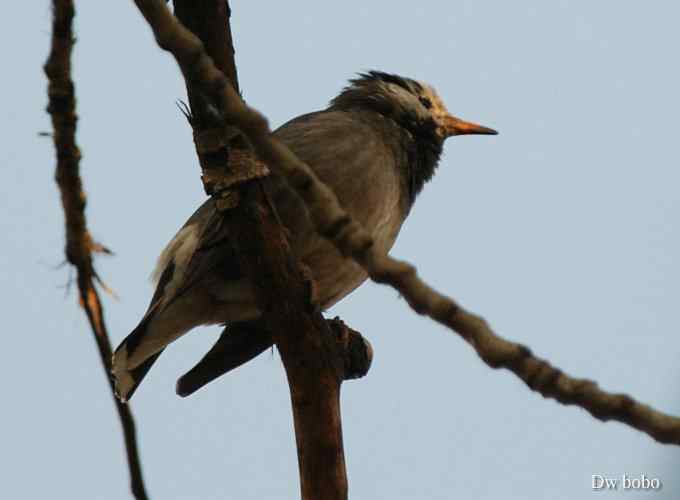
[[376, 145]]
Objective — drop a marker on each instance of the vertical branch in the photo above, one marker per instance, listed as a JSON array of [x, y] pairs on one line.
[[209, 20], [311, 355], [79, 243]]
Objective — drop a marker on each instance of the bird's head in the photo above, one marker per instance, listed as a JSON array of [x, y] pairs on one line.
[[414, 105]]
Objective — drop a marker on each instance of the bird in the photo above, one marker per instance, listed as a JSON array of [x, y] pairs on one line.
[[376, 145]]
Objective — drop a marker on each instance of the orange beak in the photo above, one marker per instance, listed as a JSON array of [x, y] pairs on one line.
[[455, 126]]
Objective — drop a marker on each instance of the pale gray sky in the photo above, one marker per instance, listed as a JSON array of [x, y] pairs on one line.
[[562, 231]]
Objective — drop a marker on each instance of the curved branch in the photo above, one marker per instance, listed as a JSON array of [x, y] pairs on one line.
[[353, 241], [79, 243]]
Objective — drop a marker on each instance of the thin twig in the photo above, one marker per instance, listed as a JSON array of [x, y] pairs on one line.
[[79, 243], [353, 241]]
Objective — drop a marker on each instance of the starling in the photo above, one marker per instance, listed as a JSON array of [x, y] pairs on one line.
[[375, 145]]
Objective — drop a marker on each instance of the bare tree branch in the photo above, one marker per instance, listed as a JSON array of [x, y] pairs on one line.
[[79, 243], [353, 241], [247, 222]]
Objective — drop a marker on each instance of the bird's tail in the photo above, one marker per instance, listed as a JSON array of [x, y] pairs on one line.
[[159, 327], [127, 378]]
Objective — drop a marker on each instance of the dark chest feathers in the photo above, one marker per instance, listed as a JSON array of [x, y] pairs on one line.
[[424, 151]]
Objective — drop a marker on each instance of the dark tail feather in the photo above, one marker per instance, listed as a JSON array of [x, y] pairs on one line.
[[238, 344]]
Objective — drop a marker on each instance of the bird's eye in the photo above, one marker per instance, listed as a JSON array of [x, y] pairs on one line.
[[425, 102]]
